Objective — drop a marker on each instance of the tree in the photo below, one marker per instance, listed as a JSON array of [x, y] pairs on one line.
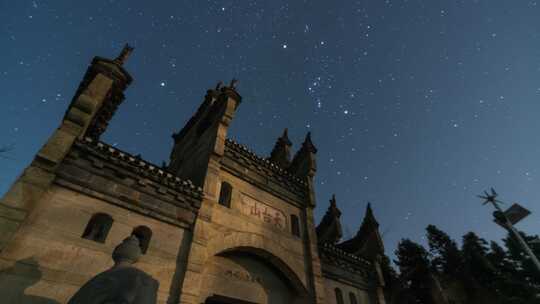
[[447, 258], [505, 283], [522, 278], [521, 260], [415, 274], [479, 273]]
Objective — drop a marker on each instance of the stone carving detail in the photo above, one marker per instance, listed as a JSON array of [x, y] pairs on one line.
[[242, 276], [263, 212]]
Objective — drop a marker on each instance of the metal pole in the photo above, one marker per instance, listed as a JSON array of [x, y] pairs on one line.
[[521, 241]]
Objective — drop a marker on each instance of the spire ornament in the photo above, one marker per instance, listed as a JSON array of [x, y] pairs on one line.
[[233, 84], [124, 54], [367, 242], [329, 230], [308, 144], [303, 163], [281, 154], [369, 217]]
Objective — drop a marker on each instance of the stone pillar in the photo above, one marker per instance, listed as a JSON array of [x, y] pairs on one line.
[[97, 93], [227, 104], [317, 280], [380, 280], [191, 286], [304, 165]]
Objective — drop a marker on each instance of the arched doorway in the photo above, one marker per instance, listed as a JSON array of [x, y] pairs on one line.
[[246, 276]]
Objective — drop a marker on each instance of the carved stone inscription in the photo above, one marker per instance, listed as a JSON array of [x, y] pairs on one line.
[[263, 212], [242, 276]]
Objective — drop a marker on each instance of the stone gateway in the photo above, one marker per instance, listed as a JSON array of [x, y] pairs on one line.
[[216, 224]]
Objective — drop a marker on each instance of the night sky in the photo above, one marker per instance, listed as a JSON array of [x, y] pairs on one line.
[[416, 106]]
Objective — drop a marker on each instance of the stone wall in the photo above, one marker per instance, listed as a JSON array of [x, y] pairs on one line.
[[350, 273], [247, 195], [220, 230], [242, 276], [49, 259], [361, 294], [199, 248]]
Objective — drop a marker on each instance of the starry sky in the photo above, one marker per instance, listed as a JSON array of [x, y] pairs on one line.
[[416, 106]]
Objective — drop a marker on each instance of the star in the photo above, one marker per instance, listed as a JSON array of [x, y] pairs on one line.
[[377, 99]]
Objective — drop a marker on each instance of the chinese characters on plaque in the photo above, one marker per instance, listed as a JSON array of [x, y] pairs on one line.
[[263, 212]]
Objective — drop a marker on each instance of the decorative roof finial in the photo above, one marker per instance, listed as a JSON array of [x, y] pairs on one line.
[[329, 230], [333, 206], [233, 84], [308, 144], [218, 85], [281, 154], [285, 137], [333, 201], [369, 217], [303, 163], [126, 51]]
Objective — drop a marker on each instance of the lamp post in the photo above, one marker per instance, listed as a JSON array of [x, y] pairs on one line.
[[501, 218]]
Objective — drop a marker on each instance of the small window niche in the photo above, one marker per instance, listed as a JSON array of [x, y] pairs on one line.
[[144, 234], [295, 225], [339, 296], [352, 298], [98, 227], [225, 195]]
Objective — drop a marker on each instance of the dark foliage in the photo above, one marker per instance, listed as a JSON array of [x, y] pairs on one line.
[[415, 273], [446, 256], [477, 272]]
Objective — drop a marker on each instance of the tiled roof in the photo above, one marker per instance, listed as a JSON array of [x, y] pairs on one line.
[[329, 248], [333, 256], [263, 162], [142, 167]]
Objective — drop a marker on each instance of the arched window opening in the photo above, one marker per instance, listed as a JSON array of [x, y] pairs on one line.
[[225, 194], [98, 227], [339, 296], [295, 225], [352, 298], [144, 234]]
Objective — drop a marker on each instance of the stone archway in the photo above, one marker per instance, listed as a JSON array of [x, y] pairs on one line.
[[250, 268], [267, 249]]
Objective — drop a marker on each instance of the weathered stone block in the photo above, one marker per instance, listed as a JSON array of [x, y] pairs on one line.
[[85, 103], [57, 146], [78, 117]]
